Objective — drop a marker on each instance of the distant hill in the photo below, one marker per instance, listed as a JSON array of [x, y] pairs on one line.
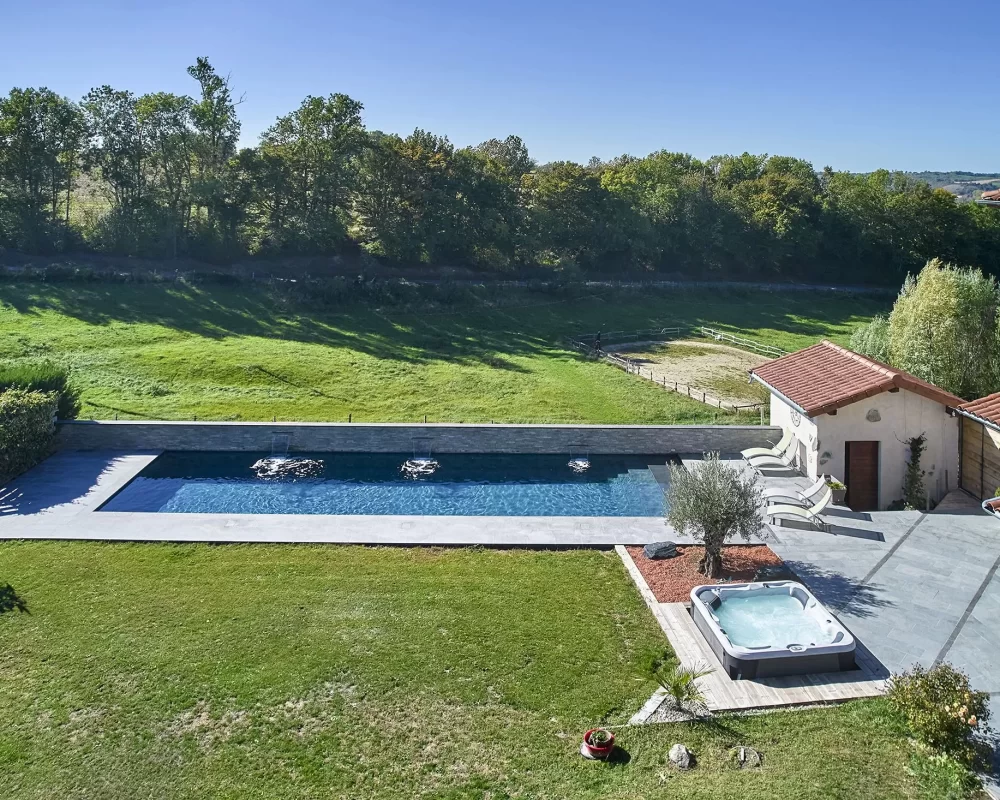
[[964, 185]]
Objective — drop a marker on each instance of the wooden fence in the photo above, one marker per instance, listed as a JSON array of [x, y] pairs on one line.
[[588, 343], [623, 337], [634, 368]]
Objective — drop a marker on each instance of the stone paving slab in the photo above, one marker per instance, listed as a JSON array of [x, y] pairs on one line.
[[924, 590]]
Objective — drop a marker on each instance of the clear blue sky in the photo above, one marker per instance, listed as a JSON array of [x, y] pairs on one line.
[[856, 85]]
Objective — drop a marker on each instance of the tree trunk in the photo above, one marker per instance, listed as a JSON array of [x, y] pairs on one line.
[[711, 563]]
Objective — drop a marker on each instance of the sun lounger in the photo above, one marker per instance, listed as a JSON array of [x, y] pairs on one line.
[[811, 515], [778, 449], [782, 460], [797, 497]]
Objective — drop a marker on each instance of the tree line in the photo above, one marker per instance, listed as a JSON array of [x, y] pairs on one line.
[[943, 327], [173, 182]]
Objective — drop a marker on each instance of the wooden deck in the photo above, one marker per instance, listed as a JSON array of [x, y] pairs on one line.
[[725, 694]]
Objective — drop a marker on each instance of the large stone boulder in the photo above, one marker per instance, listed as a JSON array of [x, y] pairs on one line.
[[681, 757], [657, 550]]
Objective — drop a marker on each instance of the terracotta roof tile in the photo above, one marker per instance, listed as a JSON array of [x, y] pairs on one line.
[[826, 376], [986, 409]]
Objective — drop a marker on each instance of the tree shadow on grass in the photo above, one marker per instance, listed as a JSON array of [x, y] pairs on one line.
[[473, 335], [11, 601], [474, 332]]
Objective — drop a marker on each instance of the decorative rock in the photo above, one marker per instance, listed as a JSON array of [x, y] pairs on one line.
[[657, 550], [681, 757], [748, 758], [774, 572]]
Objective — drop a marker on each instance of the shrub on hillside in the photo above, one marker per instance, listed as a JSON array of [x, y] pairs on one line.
[[941, 709], [26, 429], [872, 339], [42, 377]]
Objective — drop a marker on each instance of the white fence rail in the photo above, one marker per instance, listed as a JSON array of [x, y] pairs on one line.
[[740, 342]]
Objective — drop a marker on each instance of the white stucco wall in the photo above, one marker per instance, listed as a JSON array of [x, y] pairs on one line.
[[902, 415], [783, 415]]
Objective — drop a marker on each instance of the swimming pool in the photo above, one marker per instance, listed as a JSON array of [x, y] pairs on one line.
[[377, 483]]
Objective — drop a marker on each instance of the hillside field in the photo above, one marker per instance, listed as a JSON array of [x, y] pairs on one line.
[[176, 351]]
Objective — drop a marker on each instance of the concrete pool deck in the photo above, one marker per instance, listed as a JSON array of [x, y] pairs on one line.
[[59, 499]]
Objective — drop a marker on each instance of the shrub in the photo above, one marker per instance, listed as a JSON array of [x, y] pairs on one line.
[[872, 339], [941, 709], [913, 480], [26, 429], [42, 376], [943, 777]]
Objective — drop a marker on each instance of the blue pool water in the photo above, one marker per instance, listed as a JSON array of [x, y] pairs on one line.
[[373, 483], [759, 619]]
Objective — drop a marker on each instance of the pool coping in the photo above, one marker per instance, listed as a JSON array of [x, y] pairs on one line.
[[73, 516]]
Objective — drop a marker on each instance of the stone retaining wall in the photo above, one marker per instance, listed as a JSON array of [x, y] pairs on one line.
[[405, 438]]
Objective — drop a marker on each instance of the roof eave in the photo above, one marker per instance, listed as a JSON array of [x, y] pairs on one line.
[[755, 377], [975, 417]]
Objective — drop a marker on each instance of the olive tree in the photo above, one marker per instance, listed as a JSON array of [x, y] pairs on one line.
[[714, 502]]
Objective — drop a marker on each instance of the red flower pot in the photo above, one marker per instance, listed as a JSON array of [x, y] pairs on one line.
[[597, 751]]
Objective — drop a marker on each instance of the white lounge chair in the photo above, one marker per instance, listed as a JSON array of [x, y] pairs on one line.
[[811, 515], [782, 460], [798, 497], [778, 449]]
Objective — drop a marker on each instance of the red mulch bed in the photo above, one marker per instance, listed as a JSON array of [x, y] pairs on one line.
[[672, 579]]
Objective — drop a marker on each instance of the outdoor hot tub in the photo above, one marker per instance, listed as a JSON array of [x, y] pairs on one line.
[[760, 630]]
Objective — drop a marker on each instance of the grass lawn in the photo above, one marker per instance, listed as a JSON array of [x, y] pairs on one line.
[[177, 671], [171, 351]]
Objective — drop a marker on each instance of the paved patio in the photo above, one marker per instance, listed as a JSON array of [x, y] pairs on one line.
[[915, 588]]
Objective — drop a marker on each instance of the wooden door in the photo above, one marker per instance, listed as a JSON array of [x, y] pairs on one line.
[[862, 475]]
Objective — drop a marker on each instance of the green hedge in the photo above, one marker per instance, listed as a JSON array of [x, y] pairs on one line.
[[26, 429], [42, 376]]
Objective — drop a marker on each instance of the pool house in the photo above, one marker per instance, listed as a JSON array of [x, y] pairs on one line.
[[851, 418]]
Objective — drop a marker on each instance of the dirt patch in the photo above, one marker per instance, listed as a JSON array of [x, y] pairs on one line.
[[706, 365], [672, 579], [204, 726]]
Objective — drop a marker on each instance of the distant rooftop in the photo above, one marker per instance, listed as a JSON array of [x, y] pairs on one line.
[[990, 198], [826, 376]]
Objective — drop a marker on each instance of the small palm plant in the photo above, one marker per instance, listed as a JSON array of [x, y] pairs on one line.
[[680, 683]]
